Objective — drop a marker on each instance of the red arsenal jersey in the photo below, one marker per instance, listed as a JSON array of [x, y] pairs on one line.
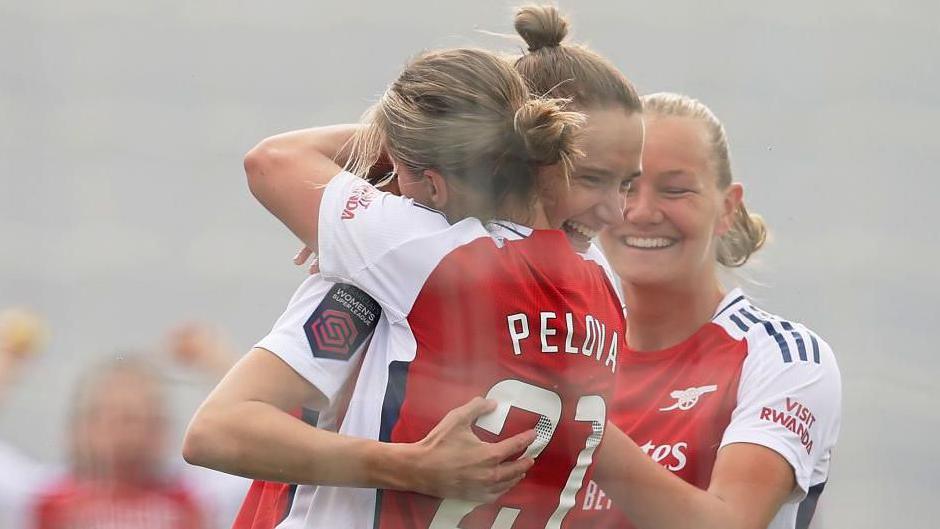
[[495, 310], [747, 376]]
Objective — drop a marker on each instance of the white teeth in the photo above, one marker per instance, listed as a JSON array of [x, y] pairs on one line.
[[648, 242], [580, 229]]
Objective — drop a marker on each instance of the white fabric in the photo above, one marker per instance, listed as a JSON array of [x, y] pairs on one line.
[[768, 382], [288, 341], [387, 245]]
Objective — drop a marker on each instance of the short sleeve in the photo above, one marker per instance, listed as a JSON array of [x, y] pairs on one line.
[[384, 244], [323, 332], [789, 400]]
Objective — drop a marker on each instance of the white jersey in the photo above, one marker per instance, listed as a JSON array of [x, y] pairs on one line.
[[390, 248]]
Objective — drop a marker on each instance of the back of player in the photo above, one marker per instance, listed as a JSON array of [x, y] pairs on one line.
[[525, 321]]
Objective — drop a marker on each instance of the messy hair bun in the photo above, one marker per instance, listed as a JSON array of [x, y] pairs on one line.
[[541, 26], [574, 72], [547, 131]]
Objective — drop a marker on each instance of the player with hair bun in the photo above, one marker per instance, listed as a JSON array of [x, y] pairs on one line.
[[741, 404], [480, 296]]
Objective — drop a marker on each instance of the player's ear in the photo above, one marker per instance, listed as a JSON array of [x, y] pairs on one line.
[[730, 203], [438, 187]]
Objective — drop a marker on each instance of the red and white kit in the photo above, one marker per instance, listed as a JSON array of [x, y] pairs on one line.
[[457, 311], [745, 377]]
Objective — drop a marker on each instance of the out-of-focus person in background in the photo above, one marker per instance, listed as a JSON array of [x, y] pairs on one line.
[[119, 472]]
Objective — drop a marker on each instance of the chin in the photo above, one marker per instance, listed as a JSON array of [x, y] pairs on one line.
[[644, 276]]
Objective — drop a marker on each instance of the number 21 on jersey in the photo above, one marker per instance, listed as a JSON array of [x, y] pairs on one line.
[[547, 404]]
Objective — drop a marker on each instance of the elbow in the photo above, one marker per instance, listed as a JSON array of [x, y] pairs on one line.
[[200, 446], [260, 163]]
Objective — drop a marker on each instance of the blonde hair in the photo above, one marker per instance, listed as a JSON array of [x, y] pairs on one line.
[[467, 114], [748, 232], [568, 71]]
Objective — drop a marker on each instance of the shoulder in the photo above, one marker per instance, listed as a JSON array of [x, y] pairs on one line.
[[350, 197], [770, 338]]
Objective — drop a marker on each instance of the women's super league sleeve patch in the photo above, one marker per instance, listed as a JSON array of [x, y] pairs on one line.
[[342, 322]]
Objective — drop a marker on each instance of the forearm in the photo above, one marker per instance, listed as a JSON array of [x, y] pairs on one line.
[[332, 142], [287, 174], [259, 441], [653, 497]]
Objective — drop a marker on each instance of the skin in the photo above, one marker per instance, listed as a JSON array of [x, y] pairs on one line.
[[244, 428], [612, 142], [671, 291]]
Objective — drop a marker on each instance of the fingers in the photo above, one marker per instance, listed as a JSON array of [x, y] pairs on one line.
[[473, 410], [302, 256], [512, 470], [513, 445]]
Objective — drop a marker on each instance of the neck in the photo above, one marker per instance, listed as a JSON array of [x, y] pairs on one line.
[[531, 215], [662, 316]]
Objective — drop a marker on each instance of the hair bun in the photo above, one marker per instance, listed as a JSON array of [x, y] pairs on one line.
[[548, 132], [541, 26]]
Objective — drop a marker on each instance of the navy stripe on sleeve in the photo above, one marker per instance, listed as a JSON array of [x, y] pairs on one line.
[[737, 321], [748, 315], [812, 339], [781, 341], [728, 306]]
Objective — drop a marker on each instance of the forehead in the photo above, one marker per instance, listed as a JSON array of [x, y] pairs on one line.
[[612, 140], [675, 144]]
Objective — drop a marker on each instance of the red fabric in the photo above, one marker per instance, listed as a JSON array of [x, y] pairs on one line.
[[461, 321], [684, 441], [264, 507], [71, 504]]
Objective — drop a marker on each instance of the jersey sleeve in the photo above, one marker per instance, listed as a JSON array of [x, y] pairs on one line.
[[789, 400], [323, 332], [384, 244]]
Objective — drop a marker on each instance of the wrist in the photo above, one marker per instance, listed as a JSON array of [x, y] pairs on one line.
[[393, 465]]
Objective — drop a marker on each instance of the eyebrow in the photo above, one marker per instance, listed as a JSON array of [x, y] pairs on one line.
[[608, 172], [674, 172]]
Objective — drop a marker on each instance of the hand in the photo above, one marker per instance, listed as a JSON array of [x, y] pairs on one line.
[[201, 347], [454, 463], [302, 257]]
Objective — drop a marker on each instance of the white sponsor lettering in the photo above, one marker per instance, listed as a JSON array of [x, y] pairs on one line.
[[671, 456]]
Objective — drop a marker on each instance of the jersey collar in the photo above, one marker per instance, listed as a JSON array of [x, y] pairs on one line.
[[508, 230]]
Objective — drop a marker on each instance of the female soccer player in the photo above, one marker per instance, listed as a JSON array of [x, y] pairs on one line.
[[741, 404], [501, 310], [733, 400]]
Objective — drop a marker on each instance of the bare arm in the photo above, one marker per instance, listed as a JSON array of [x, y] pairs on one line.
[[748, 486], [287, 173], [243, 428]]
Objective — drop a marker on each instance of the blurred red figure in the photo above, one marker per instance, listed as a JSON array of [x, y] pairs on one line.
[[118, 472], [118, 437]]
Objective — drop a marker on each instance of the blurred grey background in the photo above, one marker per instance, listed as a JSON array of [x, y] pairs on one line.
[[123, 206]]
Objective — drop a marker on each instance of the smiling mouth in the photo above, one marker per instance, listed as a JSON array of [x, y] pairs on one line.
[[579, 230], [648, 243]]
